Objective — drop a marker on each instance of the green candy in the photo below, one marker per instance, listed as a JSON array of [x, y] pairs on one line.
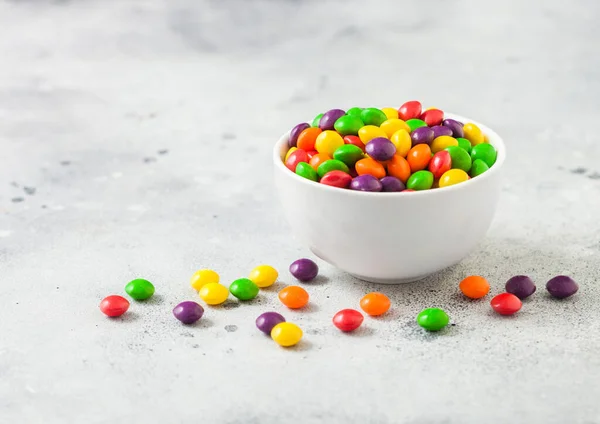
[[415, 123], [373, 116], [485, 152], [244, 289], [460, 158], [348, 153], [348, 125], [354, 111], [463, 143], [332, 165], [432, 319], [305, 170], [478, 168], [315, 122], [139, 289], [420, 180]]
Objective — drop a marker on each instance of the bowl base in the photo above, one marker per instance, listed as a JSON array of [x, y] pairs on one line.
[[390, 280]]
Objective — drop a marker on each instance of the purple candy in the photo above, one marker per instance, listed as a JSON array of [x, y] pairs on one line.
[[381, 149], [296, 132], [304, 269], [366, 183], [265, 322], [562, 286], [329, 118], [521, 286], [439, 130], [391, 184], [188, 312], [422, 135], [455, 126]]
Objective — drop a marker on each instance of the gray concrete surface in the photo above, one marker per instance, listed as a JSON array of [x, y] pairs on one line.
[[135, 142]]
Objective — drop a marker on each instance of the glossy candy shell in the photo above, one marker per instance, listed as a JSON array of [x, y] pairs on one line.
[[506, 304], [348, 320]]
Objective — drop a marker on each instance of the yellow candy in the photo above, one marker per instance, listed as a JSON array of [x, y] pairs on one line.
[[214, 293], [402, 141], [369, 132], [289, 152], [453, 176], [441, 142], [473, 134], [286, 334], [390, 112], [392, 125], [328, 141], [486, 139], [202, 277], [264, 275]]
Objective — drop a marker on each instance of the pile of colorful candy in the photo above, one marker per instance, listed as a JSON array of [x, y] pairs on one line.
[[286, 334], [388, 149]]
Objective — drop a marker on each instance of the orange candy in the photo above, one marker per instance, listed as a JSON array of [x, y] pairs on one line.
[[318, 159], [370, 166], [418, 157], [307, 138], [375, 304], [398, 167], [293, 297], [474, 287]]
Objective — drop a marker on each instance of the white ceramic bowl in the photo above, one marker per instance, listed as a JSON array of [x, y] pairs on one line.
[[390, 237]]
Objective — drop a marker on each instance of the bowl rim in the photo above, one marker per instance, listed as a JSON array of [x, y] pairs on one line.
[[493, 138]]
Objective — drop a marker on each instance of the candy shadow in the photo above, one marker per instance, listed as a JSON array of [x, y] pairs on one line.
[[127, 317], [157, 299], [201, 323], [362, 331], [392, 314], [303, 346], [317, 281], [308, 309]]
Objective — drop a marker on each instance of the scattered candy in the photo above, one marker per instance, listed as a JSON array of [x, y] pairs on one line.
[[286, 334], [202, 277], [433, 319], [263, 276], [562, 286], [521, 286], [265, 322], [375, 304], [474, 287], [294, 297], [348, 319], [114, 306], [214, 293], [506, 304], [304, 269], [244, 289], [139, 289], [188, 312]]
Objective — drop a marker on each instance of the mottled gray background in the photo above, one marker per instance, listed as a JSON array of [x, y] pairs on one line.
[[135, 141]]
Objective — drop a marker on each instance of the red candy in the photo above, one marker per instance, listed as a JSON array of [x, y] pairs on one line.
[[311, 154], [114, 306], [409, 110], [336, 179], [348, 319], [352, 139], [432, 117], [440, 163], [295, 158], [506, 304]]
